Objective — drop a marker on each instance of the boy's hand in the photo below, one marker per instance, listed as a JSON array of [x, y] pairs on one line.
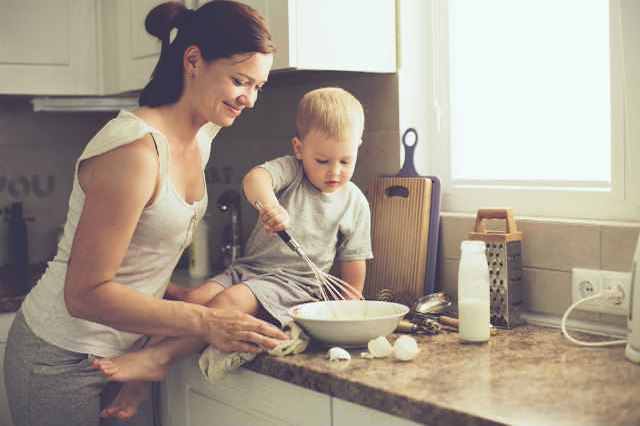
[[274, 217]]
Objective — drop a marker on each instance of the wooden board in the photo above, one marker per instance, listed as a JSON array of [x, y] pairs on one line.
[[400, 210]]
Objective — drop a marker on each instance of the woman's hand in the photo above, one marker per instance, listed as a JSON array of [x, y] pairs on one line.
[[234, 331], [274, 217]]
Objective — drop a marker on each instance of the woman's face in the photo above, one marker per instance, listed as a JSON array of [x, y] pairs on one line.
[[223, 88]]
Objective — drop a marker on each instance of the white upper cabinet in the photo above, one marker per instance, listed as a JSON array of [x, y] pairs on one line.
[[337, 35], [100, 47], [48, 47], [129, 52]]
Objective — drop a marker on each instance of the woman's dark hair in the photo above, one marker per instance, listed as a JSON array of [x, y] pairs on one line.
[[220, 28]]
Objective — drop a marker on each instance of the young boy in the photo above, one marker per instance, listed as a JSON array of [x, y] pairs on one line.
[[310, 195]]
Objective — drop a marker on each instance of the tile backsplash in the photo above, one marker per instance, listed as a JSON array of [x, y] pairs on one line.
[[551, 248], [37, 155]]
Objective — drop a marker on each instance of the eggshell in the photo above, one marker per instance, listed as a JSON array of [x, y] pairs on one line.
[[380, 347], [405, 348], [338, 354]]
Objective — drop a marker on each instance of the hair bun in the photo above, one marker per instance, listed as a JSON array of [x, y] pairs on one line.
[[164, 17]]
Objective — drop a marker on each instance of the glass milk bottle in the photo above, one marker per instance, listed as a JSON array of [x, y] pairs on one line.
[[473, 292]]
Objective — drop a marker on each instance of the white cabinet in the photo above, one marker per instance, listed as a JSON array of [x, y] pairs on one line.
[[349, 414], [100, 47], [248, 398], [337, 35], [129, 52], [5, 414], [241, 398], [48, 47]]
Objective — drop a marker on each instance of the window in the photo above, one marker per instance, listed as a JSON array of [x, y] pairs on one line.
[[528, 108]]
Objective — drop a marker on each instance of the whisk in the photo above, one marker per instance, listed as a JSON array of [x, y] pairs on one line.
[[331, 287]]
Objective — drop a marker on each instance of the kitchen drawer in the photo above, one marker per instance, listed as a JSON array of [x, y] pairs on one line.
[[242, 397]]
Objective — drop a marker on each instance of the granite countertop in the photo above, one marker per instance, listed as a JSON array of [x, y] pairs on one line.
[[526, 376]]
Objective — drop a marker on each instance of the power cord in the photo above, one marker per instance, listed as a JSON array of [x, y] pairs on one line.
[[615, 294]]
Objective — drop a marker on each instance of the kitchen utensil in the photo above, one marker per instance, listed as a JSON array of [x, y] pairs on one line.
[[504, 257], [405, 220], [432, 307], [331, 287], [427, 327], [632, 350], [348, 323], [434, 303]]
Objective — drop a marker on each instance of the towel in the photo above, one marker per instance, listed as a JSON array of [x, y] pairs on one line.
[[215, 364]]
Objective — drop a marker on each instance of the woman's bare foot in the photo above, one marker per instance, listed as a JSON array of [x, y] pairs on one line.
[[126, 403], [149, 364]]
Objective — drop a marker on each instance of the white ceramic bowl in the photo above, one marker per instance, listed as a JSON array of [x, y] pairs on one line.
[[348, 323]]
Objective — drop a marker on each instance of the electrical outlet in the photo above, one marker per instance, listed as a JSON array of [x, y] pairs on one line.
[[585, 283], [616, 280], [589, 282]]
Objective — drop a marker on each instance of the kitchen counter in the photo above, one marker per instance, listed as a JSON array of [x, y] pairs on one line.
[[526, 376]]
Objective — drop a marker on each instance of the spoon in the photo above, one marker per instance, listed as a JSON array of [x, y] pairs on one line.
[[432, 304], [432, 307]]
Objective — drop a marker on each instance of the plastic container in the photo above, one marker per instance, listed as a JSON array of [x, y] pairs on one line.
[[199, 266], [473, 292]]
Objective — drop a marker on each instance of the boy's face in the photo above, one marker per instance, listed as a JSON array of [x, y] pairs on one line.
[[328, 163]]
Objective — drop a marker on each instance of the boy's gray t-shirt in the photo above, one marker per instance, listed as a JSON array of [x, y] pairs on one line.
[[327, 226]]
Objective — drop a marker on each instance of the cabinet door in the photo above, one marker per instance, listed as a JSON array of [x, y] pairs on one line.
[[338, 35], [129, 52], [349, 414], [48, 47], [241, 398], [354, 35], [203, 408], [281, 23]]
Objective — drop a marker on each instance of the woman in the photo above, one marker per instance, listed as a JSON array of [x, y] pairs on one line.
[[138, 193]]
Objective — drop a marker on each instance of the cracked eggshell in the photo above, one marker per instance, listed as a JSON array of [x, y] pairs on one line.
[[338, 354], [405, 348], [380, 347]]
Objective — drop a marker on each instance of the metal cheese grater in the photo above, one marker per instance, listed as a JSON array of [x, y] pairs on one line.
[[504, 255]]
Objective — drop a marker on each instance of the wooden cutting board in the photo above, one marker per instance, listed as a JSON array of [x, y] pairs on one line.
[[405, 219]]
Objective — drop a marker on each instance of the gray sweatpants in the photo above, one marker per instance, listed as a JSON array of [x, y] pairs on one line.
[[49, 386]]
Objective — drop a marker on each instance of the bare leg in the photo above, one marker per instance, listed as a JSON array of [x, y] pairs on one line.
[[132, 393], [125, 404], [152, 363]]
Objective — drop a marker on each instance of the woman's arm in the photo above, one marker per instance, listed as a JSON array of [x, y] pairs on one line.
[[117, 186], [354, 272]]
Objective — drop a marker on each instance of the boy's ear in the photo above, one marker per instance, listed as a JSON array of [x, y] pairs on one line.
[[297, 147]]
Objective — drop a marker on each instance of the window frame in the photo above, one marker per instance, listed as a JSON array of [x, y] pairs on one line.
[[580, 200]]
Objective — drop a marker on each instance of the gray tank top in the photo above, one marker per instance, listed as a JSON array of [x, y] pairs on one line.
[[165, 228]]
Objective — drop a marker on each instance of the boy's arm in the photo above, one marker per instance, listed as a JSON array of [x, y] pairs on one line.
[[258, 186], [354, 272]]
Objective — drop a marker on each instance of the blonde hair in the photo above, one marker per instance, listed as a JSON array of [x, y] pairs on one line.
[[332, 111]]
